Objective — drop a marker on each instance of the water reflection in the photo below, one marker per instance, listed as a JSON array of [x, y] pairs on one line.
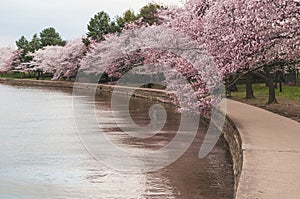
[[42, 156]]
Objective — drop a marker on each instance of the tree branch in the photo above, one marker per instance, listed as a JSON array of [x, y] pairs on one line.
[[272, 64], [243, 74]]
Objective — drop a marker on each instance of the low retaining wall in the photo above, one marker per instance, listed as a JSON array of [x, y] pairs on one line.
[[230, 132], [152, 94], [271, 152], [233, 138], [41, 83]]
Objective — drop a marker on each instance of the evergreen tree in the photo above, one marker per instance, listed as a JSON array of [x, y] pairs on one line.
[[127, 17], [35, 43], [149, 13], [23, 44], [49, 37], [99, 26]]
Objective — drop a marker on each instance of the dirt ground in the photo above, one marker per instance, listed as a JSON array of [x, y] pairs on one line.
[[286, 108]]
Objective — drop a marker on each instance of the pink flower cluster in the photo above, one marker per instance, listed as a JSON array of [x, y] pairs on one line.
[[203, 42]]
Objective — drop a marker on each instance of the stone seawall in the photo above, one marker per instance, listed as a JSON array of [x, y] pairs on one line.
[[233, 138], [230, 132], [40, 83], [152, 94], [271, 152]]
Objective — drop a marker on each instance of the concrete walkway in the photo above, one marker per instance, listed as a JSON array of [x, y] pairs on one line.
[[271, 150]]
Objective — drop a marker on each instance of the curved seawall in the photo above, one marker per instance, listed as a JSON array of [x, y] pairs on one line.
[[264, 146], [230, 132]]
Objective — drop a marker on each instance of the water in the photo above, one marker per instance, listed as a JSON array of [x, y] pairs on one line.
[[43, 157]]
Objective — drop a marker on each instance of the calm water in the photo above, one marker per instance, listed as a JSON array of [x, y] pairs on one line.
[[42, 156]]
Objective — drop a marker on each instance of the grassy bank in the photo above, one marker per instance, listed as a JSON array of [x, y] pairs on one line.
[[289, 99], [261, 93], [22, 76]]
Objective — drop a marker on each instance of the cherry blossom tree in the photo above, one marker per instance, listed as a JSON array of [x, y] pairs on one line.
[[13, 62], [152, 46], [5, 53], [250, 35], [46, 60], [204, 42], [69, 62], [242, 35], [61, 62], [187, 19], [163, 44]]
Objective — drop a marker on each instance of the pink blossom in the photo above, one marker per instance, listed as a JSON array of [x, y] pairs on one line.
[[247, 33], [13, 63]]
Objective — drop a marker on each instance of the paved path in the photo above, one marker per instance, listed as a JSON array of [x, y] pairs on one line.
[[271, 149]]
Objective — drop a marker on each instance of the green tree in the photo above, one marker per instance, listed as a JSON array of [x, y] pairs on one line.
[[127, 17], [100, 25], [114, 27], [148, 13], [35, 43], [23, 44], [49, 37]]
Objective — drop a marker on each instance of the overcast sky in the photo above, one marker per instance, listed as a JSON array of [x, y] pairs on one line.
[[68, 17]]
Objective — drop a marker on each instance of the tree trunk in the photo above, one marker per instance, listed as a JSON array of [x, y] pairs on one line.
[[281, 79], [38, 75], [230, 87], [280, 86], [249, 89], [234, 88], [270, 83]]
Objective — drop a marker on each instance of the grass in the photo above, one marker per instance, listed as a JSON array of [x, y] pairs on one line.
[[21, 76], [261, 93], [289, 100]]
